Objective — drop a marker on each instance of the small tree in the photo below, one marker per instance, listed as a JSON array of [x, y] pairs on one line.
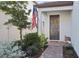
[[19, 13]]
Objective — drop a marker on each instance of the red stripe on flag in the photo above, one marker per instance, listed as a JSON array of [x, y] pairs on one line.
[[33, 21], [34, 16]]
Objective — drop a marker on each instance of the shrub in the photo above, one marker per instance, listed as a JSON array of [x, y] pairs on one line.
[[31, 43], [43, 41], [31, 39], [34, 39], [10, 51]]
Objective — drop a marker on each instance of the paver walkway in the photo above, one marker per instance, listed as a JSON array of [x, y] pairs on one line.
[[54, 50]]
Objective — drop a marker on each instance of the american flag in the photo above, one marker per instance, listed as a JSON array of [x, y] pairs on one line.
[[34, 17]]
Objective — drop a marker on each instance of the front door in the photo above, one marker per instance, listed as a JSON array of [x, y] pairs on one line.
[[54, 27]]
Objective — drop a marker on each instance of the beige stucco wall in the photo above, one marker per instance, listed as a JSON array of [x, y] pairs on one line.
[[65, 24], [5, 33]]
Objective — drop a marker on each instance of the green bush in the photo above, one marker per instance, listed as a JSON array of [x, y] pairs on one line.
[[43, 41], [34, 39], [31, 39], [32, 42]]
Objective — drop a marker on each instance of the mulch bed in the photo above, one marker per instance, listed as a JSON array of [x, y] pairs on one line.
[[39, 53], [69, 52]]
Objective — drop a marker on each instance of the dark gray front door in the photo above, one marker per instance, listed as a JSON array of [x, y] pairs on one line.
[[54, 27]]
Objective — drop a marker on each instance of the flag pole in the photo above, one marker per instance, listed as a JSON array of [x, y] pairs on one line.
[[37, 24], [37, 20]]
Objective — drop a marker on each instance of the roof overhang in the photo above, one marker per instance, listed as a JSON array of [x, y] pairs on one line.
[[61, 8], [55, 4], [35, 2]]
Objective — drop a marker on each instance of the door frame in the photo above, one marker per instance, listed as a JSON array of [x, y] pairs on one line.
[[49, 27]]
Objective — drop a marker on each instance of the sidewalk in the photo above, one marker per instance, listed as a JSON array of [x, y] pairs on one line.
[[53, 51]]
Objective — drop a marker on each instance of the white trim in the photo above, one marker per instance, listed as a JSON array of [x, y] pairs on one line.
[[54, 40], [49, 25], [56, 8]]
